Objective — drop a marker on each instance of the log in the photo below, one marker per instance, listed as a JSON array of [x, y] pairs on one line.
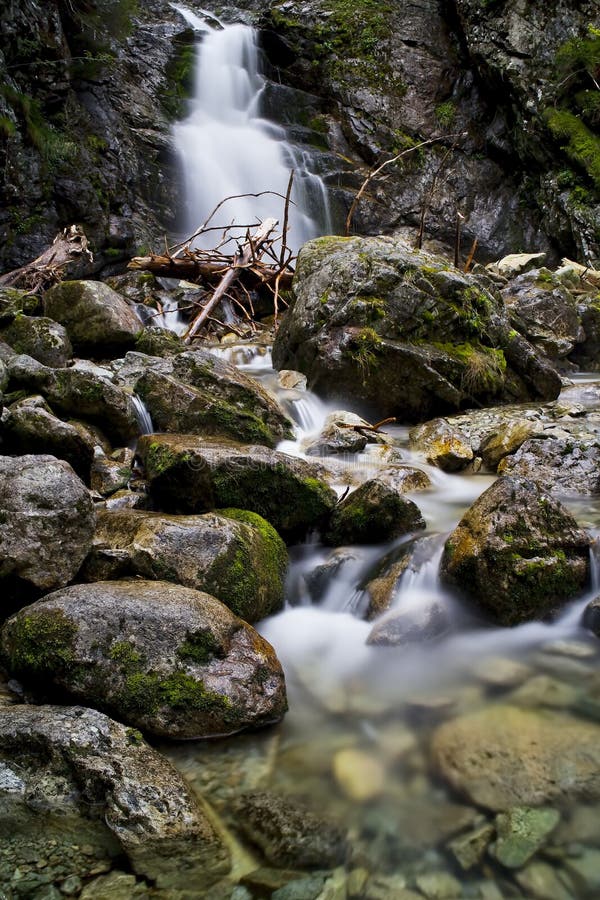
[[68, 248], [190, 269], [249, 252]]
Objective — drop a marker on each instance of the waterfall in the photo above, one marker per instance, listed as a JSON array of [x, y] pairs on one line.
[[227, 149]]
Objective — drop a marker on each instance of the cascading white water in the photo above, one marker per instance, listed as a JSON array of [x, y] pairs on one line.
[[227, 149]]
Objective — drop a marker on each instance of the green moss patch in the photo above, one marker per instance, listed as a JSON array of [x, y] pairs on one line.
[[40, 644]]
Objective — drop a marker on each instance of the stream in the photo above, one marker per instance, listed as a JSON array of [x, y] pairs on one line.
[[355, 742]]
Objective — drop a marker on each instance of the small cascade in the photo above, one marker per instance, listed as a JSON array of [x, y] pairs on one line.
[[170, 318], [143, 416], [227, 149]]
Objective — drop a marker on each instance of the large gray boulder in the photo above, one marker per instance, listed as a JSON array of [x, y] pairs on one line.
[[40, 337], [46, 521], [97, 319], [29, 426], [503, 756], [403, 331], [565, 465], [167, 659], [74, 771], [235, 556], [189, 474], [196, 393], [542, 309], [517, 553]]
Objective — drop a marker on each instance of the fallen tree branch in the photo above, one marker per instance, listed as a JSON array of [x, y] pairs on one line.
[[68, 248]]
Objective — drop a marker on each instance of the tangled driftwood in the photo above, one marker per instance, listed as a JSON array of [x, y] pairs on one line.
[[67, 250]]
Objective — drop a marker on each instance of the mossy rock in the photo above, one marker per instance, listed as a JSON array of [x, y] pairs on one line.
[[41, 338], [517, 553], [373, 513], [171, 661], [14, 302], [189, 474], [235, 555]]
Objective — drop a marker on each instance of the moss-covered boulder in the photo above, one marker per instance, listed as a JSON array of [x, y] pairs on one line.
[[81, 393], [14, 302], [29, 426], [156, 341], [517, 553], [40, 337], [235, 556], [197, 393], [376, 511], [503, 756], [403, 331], [189, 474], [98, 320], [46, 521], [97, 781], [164, 658]]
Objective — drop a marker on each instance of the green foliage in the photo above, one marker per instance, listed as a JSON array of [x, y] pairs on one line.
[[53, 145], [445, 113], [363, 350], [580, 144], [7, 127], [179, 76]]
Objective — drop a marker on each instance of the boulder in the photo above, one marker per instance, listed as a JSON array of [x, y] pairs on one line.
[[196, 393], [71, 766], [288, 834], [157, 341], [97, 319], [443, 444], [545, 312], [521, 831], [29, 426], [504, 440], [403, 331], [517, 553], [41, 338], [337, 437], [591, 616], [109, 475], [516, 264], [375, 512], [167, 659], [424, 623], [189, 474], [81, 393], [46, 521], [14, 302], [502, 756], [235, 556], [565, 465]]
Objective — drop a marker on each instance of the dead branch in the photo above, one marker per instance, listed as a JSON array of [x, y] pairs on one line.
[[250, 250], [68, 248]]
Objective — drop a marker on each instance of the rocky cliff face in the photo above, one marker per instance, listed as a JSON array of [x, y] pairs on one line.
[[507, 91], [503, 95], [88, 92]]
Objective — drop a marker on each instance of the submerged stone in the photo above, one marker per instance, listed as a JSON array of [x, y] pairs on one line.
[[172, 661], [503, 756], [521, 831]]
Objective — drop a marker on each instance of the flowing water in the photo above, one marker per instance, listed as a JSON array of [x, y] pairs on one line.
[[355, 743], [227, 149]]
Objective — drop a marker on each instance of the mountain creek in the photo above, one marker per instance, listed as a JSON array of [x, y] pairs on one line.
[[304, 606]]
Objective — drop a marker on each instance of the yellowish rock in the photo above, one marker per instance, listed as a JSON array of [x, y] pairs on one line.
[[359, 775]]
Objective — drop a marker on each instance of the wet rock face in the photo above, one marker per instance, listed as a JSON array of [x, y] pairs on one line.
[[46, 523], [235, 556], [517, 553], [189, 474], [172, 661], [502, 757], [567, 466], [403, 331], [81, 765]]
